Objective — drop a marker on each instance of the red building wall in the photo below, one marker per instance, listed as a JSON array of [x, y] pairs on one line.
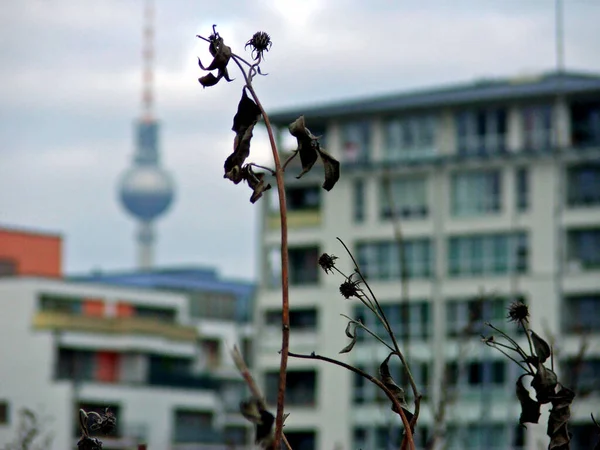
[[30, 253]]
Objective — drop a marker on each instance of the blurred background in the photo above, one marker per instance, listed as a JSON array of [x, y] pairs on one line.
[[132, 266]]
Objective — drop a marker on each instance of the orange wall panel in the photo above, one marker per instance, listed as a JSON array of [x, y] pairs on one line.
[[34, 253], [107, 367], [124, 309], [93, 307]]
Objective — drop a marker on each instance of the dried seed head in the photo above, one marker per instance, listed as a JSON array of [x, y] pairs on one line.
[[260, 43], [518, 312], [350, 288], [327, 262]]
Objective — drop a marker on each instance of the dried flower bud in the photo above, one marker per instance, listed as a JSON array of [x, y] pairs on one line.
[[260, 43], [327, 262], [350, 288], [518, 312]]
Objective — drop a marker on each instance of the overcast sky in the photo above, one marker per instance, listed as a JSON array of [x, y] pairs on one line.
[[70, 92]]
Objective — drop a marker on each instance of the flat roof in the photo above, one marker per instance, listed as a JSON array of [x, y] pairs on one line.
[[486, 90]]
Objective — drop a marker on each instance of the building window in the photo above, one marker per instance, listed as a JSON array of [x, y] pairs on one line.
[[474, 436], [476, 193], [583, 185], [408, 195], [303, 265], [8, 267], [537, 128], [356, 141], [582, 376], [61, 304], [304, 319], [77, 365], [583, 248], [300, 388], [477, 374], [155, 313], [359, 204], [381, 260], [581, 314], [488, 254], [236, 435], [468, 317], [409, 138], [585, 124], [302, 440], [193, 426], [305, 198], [385, 437], [4, 412], [408, 320], [481, 132], [522, 189]]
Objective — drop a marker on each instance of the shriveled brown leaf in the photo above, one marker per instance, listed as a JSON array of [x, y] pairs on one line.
[[544, 382], [263, 420], [351, 333], [558, 421], [541, 347], [244, 120], [397, 391], [221, 55], [530, 409], [309, 150]]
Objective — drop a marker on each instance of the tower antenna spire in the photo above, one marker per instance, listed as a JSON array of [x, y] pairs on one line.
[[148, 61]]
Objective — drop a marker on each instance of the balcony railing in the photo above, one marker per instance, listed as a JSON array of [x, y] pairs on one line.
[[296, 219], [47, 320], [179, 380]]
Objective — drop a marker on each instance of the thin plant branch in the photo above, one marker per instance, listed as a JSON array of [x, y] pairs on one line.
[[378, 383]]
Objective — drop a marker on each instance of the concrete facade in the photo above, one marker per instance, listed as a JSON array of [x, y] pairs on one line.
[[485, 413]]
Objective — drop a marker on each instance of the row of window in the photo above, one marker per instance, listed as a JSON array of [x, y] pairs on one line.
[[477, 132], [467, 378], [473, 255], [472, 193], [413, 320]]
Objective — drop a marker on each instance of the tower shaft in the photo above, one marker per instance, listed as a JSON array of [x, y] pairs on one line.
[[148, 61], [145, 242]]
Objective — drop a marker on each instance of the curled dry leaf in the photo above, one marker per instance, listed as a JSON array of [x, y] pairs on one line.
[[221, 55], [559, 418], [530, 409], [310, 149], [541, 347], [244, 120], [544, 382], [351, 333], [388, 381]]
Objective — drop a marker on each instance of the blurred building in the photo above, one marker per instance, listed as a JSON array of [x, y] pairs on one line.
[[496, 186], [24, 252], [151, 346]]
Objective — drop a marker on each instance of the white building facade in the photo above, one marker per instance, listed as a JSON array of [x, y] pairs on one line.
[[70, 345], [497, 189]]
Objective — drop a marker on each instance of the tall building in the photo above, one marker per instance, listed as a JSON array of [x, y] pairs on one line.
[[146, 189], [496, 185]]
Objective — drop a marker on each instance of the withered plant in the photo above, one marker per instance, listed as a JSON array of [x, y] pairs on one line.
[[543, 379], [237, 169]]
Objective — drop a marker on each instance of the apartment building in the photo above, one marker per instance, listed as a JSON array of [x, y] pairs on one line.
[[496, 185], [152, 346]]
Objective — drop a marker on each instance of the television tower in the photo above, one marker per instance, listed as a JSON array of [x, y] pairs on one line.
[[146, 189]]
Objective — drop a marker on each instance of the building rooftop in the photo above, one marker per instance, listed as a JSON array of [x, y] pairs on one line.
[[185, 278], [482, 91]]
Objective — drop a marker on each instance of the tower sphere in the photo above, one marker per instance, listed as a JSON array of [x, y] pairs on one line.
[[146, 191]]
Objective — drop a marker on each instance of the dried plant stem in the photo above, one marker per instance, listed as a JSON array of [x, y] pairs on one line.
[[397, 351], [285, 304], [409, 437]]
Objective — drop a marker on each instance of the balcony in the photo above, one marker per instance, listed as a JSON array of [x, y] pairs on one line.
[[57, 321], [296, 219]]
